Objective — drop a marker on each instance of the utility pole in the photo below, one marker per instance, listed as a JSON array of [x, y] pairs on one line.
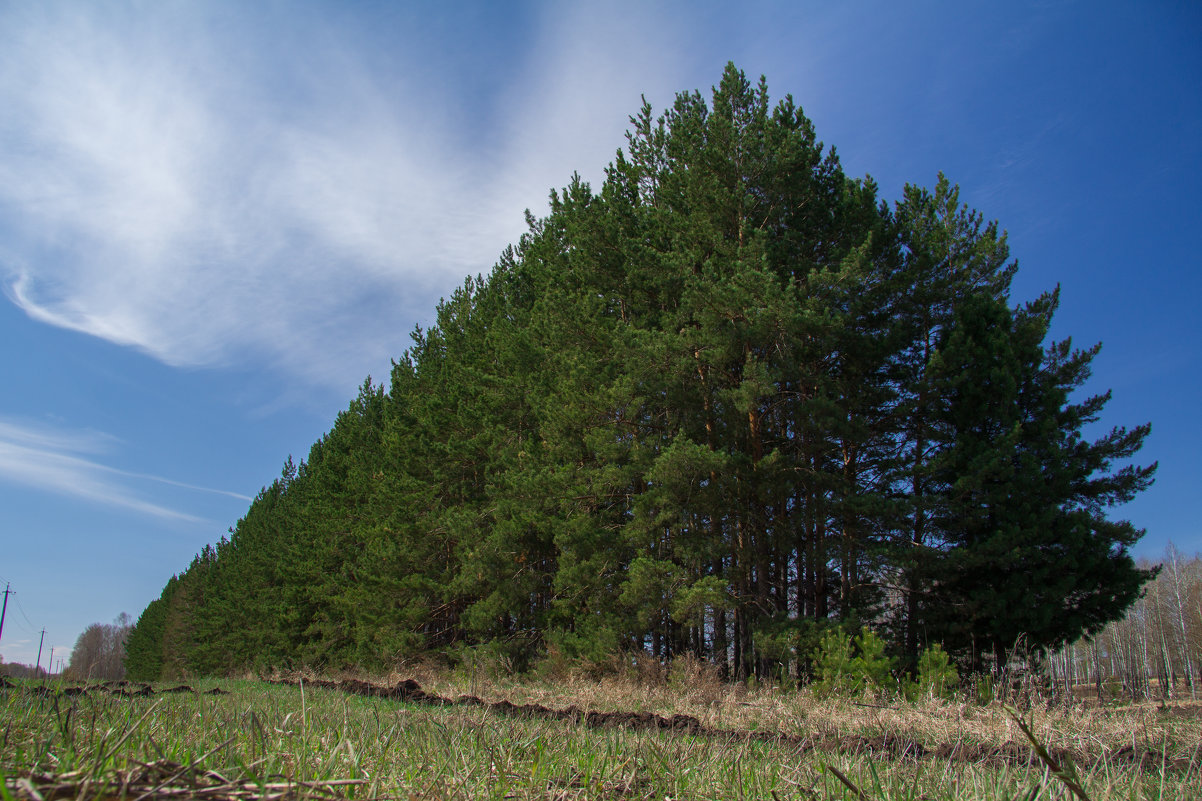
[[7, 592], [51, 671], [39, 662]]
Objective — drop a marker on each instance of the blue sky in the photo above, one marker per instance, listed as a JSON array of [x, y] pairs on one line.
[[217, 218]]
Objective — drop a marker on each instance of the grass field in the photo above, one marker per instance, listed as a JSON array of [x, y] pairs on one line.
[[259, 739]]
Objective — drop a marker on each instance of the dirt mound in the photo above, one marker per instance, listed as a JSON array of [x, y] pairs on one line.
[[171, 780], [409, 690], [121, 689]]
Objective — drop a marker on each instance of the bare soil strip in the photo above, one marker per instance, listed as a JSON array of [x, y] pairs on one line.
[[127, 689], [171, 780]]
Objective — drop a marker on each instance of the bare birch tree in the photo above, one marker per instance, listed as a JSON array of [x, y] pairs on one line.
[[1155, 650], [99, 653]]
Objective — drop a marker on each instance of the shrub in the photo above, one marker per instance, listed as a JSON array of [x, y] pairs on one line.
[[846, 667], [937, 676]]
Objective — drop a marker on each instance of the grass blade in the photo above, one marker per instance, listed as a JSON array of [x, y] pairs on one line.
[[1066, 772]]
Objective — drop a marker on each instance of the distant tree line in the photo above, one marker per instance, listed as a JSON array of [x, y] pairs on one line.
[[17, 670], [726, 402], [1154, 651], [99, 652]]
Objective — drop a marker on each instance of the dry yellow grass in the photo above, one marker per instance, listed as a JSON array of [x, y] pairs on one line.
[[1170, 733]]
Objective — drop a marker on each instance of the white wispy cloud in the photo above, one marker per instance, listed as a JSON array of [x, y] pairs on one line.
[[39, 436], [212, 198], [42, 457]]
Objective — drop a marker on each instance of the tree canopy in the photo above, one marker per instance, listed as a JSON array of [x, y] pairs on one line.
[[727, 400]]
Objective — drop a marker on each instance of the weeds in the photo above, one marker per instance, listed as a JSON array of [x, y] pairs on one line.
[[1063, 768]]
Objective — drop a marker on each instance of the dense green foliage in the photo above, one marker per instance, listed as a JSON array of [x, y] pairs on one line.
[[726, 402], [843, 666]]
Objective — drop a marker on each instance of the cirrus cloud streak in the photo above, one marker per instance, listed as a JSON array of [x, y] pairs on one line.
[[166, 186], [50, 459]]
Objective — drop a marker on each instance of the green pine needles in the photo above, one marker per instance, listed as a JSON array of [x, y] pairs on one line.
[[727, 400], [846, 666]]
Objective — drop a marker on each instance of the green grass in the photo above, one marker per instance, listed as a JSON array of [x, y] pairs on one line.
[[262, 739]]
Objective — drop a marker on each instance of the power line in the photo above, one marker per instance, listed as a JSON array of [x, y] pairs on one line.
[[22, 610], [30, 630], [7, 592]]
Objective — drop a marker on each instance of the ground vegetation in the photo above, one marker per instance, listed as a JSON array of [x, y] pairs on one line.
[[682, 733]]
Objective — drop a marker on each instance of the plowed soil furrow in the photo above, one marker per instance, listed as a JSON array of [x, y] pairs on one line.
[[1006, 754]]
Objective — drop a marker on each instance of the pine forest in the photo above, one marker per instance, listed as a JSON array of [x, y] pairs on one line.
[[724, 402]]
